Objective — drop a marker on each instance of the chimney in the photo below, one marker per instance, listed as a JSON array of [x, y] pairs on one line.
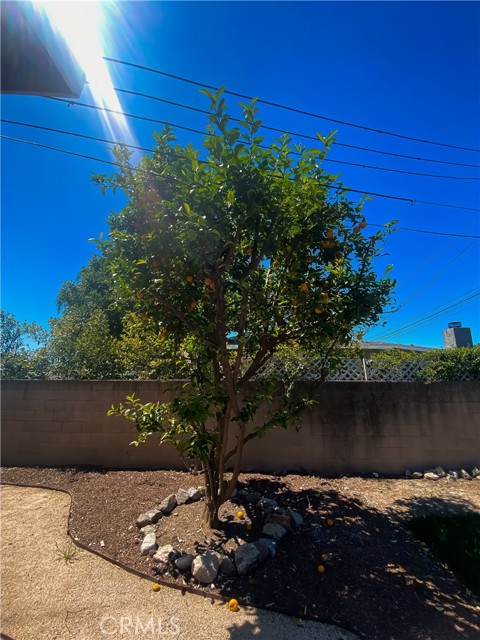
[[457, 336]]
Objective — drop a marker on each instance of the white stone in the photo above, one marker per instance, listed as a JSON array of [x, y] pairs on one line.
[[165, 554], [149, 544], [465, 475], [416, 475], [205, 567], [430, 475], [475, 472], [168, 505]]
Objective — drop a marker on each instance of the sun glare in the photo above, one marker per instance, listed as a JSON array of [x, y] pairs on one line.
[[84, 27]]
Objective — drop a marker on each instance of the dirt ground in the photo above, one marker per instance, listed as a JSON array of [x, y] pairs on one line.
[[379, 582]]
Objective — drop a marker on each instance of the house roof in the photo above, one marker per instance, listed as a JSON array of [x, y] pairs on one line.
[[383, 346], [35, 59]]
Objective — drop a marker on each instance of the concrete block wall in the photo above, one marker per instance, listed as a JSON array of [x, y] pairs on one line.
[[355, 427]]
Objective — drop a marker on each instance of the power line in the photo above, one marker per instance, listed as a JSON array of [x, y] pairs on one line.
[[355, 164], [286, 107], [294, 133], [334, 187], [435, 233], [406, 327]]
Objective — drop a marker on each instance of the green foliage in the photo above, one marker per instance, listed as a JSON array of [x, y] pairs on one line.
[[247, 243], [455, 539], [462, 363], [22, 348]]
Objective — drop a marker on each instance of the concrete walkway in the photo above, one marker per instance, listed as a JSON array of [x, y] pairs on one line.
[[44, 598]]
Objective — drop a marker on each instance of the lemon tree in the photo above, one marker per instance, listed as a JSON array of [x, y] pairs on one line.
[[244, 245]]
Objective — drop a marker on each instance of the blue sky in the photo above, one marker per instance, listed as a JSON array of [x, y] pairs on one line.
[[407, 67]]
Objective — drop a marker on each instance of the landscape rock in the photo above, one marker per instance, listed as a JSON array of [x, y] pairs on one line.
[[271, 544], [475, 472], [168, 505], [250, 497], [281, 518], [296, 518], [465, 475], [246, 558], [430, 475], [182, 496], [205, 567], [184, 562], [263, 550], [149, 528], [440, 472], [408, 473], [194, 494], [416, 475], [266, 504], [275, 531], [165, 554], [149, 544], [143, 520], [227, 568], [453, 474]]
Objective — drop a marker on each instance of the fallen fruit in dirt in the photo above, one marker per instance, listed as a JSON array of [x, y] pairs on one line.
[[330, 522], [233, 604], [156, 586], [321, 568], [240, 515]]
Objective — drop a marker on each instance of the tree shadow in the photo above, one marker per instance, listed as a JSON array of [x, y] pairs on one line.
[[378, 581]]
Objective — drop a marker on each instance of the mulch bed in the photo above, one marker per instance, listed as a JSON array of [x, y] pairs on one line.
[[378, 582]]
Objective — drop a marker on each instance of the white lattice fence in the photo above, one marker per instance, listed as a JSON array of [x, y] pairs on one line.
[[353, 370]]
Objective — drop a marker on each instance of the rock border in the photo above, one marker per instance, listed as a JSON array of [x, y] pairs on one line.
[[206, 567]]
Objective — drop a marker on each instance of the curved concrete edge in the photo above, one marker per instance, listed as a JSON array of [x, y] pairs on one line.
[[43, 511]]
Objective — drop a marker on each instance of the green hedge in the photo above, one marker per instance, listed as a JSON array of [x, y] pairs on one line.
[[462, 363]]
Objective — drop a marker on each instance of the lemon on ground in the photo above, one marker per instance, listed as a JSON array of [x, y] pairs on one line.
[[233, 604], [321, 568], [330, 522], [240, 515], [156, 586]]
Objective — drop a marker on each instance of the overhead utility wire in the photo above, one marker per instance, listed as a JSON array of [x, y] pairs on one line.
[[286, 107], [436, 233], [426, 315], [336, 188], [432, 316], [296, 134], [296, 153], [370, 193]]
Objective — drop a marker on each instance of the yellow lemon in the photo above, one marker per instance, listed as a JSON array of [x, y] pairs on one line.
[[156, 586], [304, 287], [330, 522], [240, 515], [208, 281], [318, 310], [321, 568], [363, 224], [330, 234], [189, 278], [233, 604]]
